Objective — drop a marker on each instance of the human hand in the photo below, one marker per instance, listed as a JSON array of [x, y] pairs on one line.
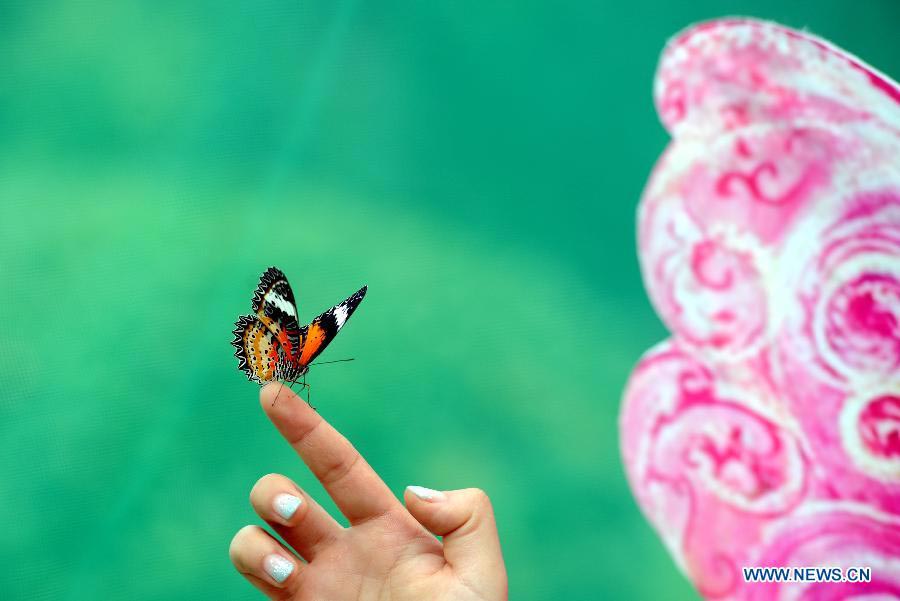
[[389, 552]]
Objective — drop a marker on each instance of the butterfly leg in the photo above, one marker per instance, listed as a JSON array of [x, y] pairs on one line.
[[303, 384], [291, 383], [277, 393], [291, 386], [300, 391]]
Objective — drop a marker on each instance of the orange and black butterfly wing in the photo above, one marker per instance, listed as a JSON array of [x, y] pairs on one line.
[[259, 353], [322, 330], [274, 305]]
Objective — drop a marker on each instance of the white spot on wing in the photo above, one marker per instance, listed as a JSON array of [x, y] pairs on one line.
[[340, 315], [281, 302]]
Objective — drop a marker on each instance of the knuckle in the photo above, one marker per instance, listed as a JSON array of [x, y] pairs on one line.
[[479, 495], [297, 439], [480, 499], [338, 470]]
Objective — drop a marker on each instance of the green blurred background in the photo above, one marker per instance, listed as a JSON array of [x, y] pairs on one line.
[[476, 164]]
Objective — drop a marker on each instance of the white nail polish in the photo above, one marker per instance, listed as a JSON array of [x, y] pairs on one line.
[[427, 494], [278, 567], [286, 505]]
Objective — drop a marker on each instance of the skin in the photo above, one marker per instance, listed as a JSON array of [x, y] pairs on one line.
[[389, 552]]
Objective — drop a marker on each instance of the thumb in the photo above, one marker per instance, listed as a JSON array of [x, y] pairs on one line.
[[465, 521]]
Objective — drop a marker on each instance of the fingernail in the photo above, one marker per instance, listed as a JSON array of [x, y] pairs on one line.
[[427, 494], [286, 505], [278, 567]]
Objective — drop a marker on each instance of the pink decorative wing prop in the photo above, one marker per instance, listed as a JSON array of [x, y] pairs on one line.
[[766, 430]]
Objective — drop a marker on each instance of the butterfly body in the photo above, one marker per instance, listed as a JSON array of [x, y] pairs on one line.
[[270, 343]]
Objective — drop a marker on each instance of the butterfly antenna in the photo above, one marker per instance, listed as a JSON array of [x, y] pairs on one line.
[[335, 361]]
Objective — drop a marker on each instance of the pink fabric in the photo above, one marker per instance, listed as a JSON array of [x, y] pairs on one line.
[[766, 430]]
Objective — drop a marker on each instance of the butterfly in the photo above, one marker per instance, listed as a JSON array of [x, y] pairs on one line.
[[271, 345]]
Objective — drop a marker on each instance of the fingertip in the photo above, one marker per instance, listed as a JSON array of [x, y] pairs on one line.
[[268, 393], [237, 542], [263, 560], [465, 520], [420, 493], [289, 413], [274, 393], [431, 508], [277, 499]]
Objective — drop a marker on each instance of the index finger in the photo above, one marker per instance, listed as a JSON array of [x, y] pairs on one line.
[[353, 485]]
